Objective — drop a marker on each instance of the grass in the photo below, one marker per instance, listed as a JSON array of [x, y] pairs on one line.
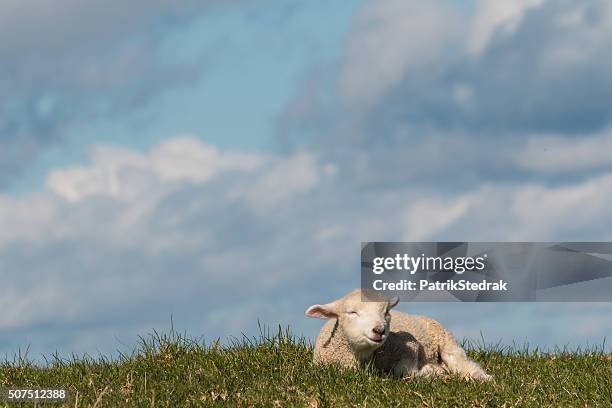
[[172, 370]]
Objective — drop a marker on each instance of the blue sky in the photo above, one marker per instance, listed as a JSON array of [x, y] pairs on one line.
[[220, 163]]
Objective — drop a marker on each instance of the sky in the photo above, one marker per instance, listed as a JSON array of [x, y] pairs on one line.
[[217, 164]]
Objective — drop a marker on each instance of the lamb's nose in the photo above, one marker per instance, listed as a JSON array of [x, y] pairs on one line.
[[380, 329]]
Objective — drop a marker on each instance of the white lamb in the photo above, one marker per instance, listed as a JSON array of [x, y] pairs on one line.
[[359, 332]]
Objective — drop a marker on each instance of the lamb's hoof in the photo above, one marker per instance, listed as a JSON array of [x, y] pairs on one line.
[[480, 376]]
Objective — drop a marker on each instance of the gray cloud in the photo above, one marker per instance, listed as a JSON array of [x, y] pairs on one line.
[[550, 73], [456, 102]]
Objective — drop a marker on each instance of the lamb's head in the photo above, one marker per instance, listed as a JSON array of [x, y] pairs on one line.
[[365, 324]]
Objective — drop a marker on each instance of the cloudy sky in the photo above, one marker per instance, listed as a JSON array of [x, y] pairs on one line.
[[220, 162]]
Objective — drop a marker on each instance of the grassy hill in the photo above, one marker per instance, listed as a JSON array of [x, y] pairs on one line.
[[275, 370]]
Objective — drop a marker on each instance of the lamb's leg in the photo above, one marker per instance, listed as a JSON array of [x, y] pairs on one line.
[[431, 370], [457, 362]]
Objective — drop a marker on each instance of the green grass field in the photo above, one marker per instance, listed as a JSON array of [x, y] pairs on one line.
[[276, 370]]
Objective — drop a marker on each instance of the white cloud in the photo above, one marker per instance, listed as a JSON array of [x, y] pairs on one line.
[[281, 182], [429, 217], [551, 210], [175, 160], [391, 39], [28, 219]]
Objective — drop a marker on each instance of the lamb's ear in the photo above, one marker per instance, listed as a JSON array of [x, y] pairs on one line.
[[393, 302], [326, 311]]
